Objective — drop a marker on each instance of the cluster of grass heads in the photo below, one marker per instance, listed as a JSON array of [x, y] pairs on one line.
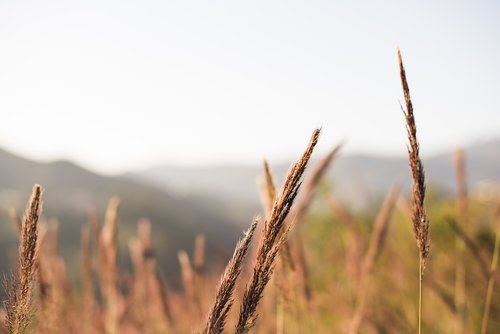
[[296, 270]]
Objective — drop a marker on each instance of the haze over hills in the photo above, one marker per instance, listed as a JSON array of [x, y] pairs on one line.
[[218, 201], [70, 191], [358, 178]]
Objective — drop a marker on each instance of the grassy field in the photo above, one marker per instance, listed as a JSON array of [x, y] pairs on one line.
[[423, 263]]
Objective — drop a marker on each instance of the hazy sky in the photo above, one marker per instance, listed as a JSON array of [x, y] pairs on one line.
[[120, 85]]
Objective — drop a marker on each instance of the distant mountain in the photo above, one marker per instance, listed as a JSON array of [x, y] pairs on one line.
[[70, 191], [218, 201], [237, 184], [356, 178]]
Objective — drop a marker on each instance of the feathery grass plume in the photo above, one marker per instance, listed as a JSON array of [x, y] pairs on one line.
[[154, 281], [159, 308], [189, 283], [493, 272], [273, 236], [268, 189], [144, 234], [268, 192], [3, 329], [298, 213], [460, 276], [95, 228], [419, 216], [224, 297], [137, 257], [199, 254], [139, 299], [187, 274], [149, 297], [200, 279], [311, 182], [18, 304], [461, 185], [41, 279], [55, 288], [377, 240], [108, 239], [268, 196], [87, 287]]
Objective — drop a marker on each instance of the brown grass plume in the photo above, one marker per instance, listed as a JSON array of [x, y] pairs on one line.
[[224, 295], [274, 234], [18, 304]]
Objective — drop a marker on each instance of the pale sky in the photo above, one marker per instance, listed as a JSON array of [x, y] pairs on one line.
[[122, 85]]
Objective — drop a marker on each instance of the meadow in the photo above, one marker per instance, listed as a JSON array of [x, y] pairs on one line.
[[415, 263]]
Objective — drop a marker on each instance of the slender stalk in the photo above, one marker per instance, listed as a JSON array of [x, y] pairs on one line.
[[224, 298], [420, 281], [298, 214], [273, 236], [491, 284], [108, 252], [419, 215], [18, 305], [460, 274]]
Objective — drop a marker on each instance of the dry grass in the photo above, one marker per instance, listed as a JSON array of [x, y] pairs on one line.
[[19, 302], [460, 278], [491, 279], [224, 297], [343, 271], [107, 261], [273, 236], [419, 215]]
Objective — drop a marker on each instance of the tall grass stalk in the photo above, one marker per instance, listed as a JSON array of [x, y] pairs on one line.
[[460, 275], [273, 236], [108, 250], [224, 299], [491, 280], [419, 216], [298, 213], [19, 302]]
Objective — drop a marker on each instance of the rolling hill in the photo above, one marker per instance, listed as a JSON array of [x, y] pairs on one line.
[[359, 179], [218, 201], [70, 191]]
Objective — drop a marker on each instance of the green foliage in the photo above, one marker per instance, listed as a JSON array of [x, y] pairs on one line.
[[392, 293]]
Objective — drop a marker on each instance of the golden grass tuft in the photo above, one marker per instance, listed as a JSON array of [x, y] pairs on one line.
[[273, 236], [419, 215], [107, 254], [19, 302], [219, 310]]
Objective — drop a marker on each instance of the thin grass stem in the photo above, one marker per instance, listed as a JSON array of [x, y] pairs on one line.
[[420, 299], [491, 285]]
